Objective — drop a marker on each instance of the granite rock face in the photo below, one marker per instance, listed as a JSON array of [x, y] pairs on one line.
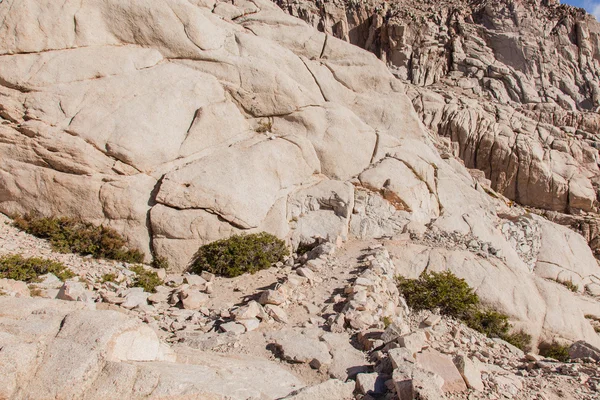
[[180, 123], [511, 87]]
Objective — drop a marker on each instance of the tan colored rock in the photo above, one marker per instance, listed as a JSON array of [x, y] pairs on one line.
[[301, 347], [414, 341], [249, 311], [14, 288], [332, 389], [193, 299], [469, 371], [443, 366], [275, 297]]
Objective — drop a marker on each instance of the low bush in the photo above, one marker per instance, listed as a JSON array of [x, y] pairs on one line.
[[239, 254], [146, 279], [452, 296], [68, 235], [489, 322], [29, 269], [109, 278], [569, 285], [554, 350], [439, 290], [160, 262], [519, 339]]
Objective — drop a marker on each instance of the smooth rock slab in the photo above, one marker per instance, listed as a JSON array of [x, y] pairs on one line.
[[346, 360], [301, 348], [332, 389], [469, 371], [443, 366]]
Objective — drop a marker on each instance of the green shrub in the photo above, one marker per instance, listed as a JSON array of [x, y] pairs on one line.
[[489, 322], [569, 285], [160, 262], [146, 279], [554, 350], [109, 278], [453, 297], [439, 290], [520, 339], [68, 235], [29, 269], [239, 254]]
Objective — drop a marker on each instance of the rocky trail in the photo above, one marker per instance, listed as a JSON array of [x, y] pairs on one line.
[[310, 321], [400, 137]]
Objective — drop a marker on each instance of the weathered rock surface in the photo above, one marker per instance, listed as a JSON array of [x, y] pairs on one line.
[[67, 350], [511, 87]]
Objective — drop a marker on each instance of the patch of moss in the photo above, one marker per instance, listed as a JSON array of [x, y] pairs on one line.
[[146, 279], [29, 269], [239, 254], [554, 350], [68, 235], [387, 321], [569, 285], [264, 126]]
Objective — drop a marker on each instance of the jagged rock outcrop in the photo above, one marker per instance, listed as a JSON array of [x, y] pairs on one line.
[[513, 84], [182, 122]]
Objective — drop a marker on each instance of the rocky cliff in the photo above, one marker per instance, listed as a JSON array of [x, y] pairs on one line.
[[512, 84], [181, 122]]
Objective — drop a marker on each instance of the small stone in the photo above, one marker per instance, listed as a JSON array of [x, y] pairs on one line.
[[370, 383], [194, 280], [193, 299], [249, 324], [403, 384], [249, 311], [135, 299], [49, 281], [233, 327], [400, 356], [315, 265], [470, 373], [393, 332], [308, 274], [413, 341], [360, 281], [274, 297], [73, 291], [159, 297], [207, 276], [432, 320], [276, 313], [174, 279], [582, 349], [337, 323], [296, 346], [15, 288], [161, 273]]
